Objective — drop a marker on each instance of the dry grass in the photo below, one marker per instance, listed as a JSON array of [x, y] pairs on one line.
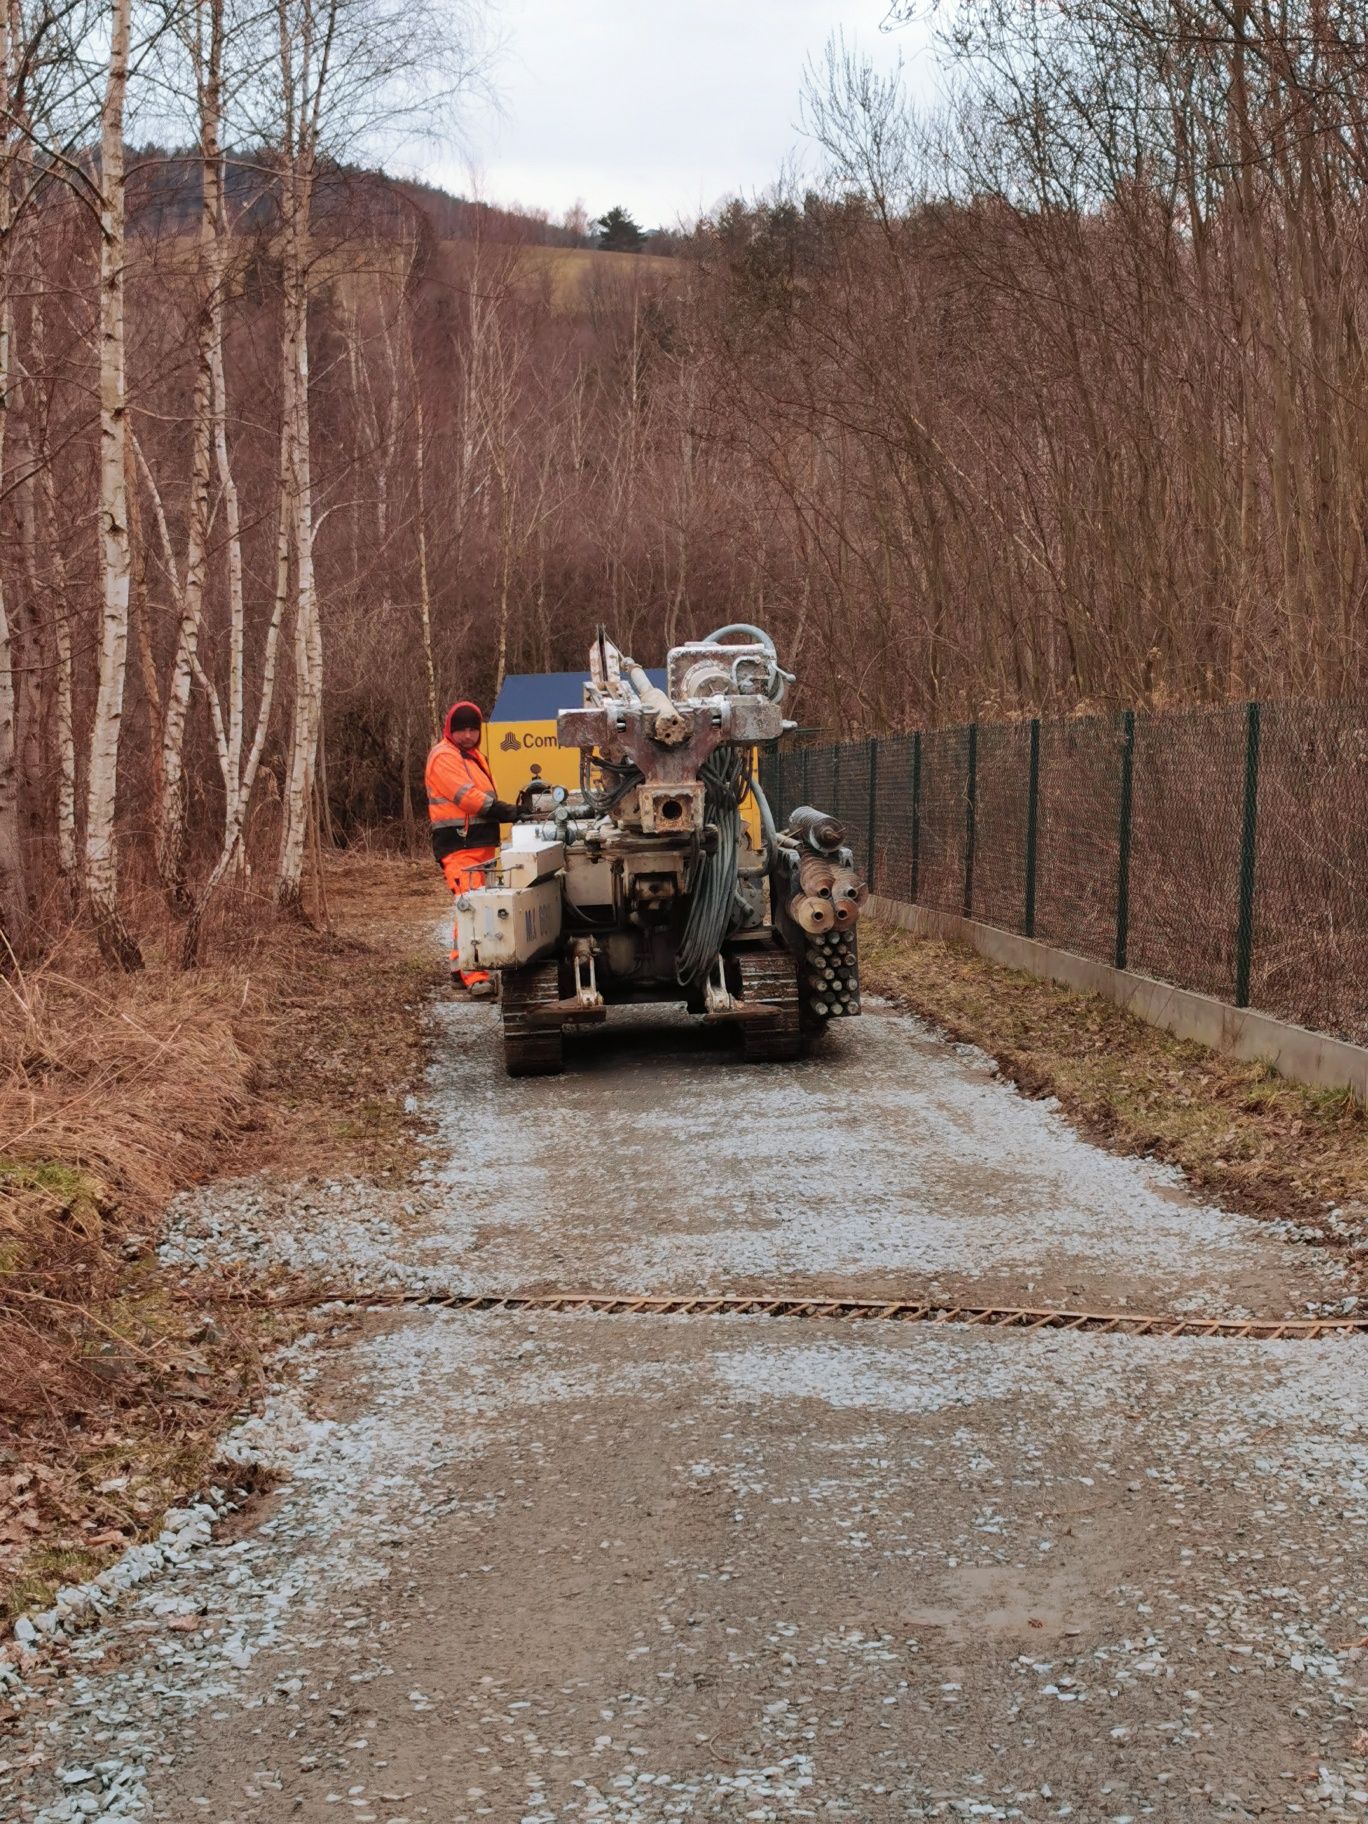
[[573, 272], [132, 1083], [291, 1049], [113, 1094], [343, 1043], [1243, 1135]]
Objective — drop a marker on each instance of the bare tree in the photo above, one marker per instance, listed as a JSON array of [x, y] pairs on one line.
[[348, 72], [101, 854], [13, 892], [205, 32]]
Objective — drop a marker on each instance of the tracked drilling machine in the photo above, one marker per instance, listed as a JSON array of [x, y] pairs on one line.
[[655, 881]]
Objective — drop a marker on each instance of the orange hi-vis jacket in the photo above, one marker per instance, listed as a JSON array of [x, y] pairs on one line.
[[460, 792]]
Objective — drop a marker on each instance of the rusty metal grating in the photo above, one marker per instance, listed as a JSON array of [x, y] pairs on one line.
[[862, 1310]]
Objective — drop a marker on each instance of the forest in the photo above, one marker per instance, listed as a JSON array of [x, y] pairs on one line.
[[1046, 399]]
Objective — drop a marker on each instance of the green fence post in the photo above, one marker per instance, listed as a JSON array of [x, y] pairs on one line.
[[1123, 859], [1032, 826], [1244, 935], [834, 809], [915, 882], [970, 817], [872, 830], [803, 776]]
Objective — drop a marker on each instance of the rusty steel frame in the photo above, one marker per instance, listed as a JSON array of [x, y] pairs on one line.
[[798, 1305]]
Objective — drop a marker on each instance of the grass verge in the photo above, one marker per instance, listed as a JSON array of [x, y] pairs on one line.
[[293, 1050], [1244, 1136]]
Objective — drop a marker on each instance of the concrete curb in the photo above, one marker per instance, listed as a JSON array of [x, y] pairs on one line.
[[1306, 1057]]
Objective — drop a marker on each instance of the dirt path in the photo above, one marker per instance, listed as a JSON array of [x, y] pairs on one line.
[[591, 1567]]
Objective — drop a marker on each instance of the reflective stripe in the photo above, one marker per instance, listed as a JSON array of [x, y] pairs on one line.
[[456, 805]]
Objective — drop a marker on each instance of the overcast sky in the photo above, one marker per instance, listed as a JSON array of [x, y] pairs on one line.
[[663, 106]]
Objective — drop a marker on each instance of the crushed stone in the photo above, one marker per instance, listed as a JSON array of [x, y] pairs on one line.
[[564, 1567], [888, 1155]]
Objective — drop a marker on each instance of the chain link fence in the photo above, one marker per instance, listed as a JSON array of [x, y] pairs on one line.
[[1224, 850]]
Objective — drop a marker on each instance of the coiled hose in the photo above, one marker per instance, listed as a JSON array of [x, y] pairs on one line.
[[712, 884]]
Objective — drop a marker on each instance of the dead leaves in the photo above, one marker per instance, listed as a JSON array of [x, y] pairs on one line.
[[295, 1050]]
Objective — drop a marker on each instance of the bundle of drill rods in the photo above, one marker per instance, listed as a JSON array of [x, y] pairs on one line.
[[826, 908], [830, 893], [833, 974]]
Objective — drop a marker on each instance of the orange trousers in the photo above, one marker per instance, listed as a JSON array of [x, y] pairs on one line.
[[466, 868]]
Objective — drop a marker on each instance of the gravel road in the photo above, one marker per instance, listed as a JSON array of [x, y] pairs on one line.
[[573, 1567]]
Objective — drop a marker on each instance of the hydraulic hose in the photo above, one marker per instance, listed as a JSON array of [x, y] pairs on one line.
[[779, 679], [624, 776], [758, 635], [768, 828], [712, 886]]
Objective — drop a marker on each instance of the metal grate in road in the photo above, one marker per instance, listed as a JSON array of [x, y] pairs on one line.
[[856, 1310]]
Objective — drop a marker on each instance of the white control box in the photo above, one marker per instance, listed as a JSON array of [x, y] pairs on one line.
[[504, 927], [523, 863]]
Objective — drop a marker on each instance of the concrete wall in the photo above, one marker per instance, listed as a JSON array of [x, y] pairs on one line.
[[1305, 1057]]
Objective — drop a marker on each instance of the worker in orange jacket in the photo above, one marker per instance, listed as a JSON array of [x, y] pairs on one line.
[[465, 813]]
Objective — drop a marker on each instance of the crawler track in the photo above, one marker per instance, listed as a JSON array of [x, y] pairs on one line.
[[769, 978], [531, 1047], [880, 1310]]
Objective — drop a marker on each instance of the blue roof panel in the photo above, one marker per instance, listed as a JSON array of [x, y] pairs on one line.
[[538, 696]]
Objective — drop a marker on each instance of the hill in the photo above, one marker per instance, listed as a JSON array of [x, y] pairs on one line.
[[163, 199]]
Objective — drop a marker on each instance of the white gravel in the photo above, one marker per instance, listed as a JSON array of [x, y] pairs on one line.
[[628, 1568], [887, 1154], [439, 1390]]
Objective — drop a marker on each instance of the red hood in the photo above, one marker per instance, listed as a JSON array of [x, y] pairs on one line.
[[446, 725]]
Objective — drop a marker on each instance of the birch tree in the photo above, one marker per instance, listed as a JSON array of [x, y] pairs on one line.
[[116, 558], [420, 525], [349, 73], [306, 35], [44, 113], [239, 770], [205, 45]]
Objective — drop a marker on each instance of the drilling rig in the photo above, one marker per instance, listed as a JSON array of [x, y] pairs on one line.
[[664, 876]]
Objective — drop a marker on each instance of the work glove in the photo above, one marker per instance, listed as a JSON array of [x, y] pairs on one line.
[[503, 812]]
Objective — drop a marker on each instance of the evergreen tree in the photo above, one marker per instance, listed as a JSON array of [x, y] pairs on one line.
[[616, 232]]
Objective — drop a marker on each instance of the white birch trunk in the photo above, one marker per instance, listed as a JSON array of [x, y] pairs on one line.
[[232, 514], [101, 856], [424, 586], [420, 512], [308, 680], [208, 337], [240, 783]]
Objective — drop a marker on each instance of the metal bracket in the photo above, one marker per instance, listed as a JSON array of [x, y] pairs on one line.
[[718, 1000], [586, 994]]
